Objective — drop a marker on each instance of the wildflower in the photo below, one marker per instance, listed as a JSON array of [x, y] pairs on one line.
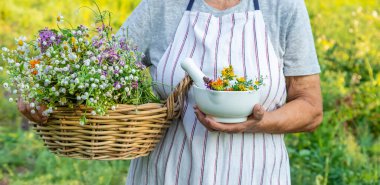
[[93, 113], [72, 56], [6, 85], [33, 111], [228, 73], [32, 105], [1, 68], [21, 40], [113, 107], [241, 79], [117, 85], [10, 99], [135, 85], [60, 18]]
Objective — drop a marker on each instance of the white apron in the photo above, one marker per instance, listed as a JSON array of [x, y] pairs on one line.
[[191, 155]]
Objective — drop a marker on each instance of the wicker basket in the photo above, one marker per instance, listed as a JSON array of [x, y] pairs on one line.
[[126, 133]]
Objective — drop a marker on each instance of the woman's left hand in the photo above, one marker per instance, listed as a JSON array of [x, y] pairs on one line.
[[253, 122]]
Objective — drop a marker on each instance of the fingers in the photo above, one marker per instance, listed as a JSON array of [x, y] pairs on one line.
[[258, 112], [202, 118], [213, 125], [25, 109], [41, 115]]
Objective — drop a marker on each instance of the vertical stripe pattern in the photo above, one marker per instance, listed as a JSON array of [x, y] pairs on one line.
[[189, 153]]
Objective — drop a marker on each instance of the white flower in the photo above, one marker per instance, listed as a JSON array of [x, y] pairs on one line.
[[52, 38], [136, 78], [96, 81], [63, 90], [79, 98], [133, 71], [1, 68], [88, 53], [53, 89], [32, 105], [33, 111], [91, 79], [79, 32], [77, 66], [60, 18], [5, 49], [93, 113], [104, 67], [93, 85], [11, 61], [87, 62], [113, 107], [14, 91], [72, 56], [56, 93], [10, 99], [76, 80], [80, 40], [21, 40], [93, 58], [44, 43], [131, 77], [18, 65], [127, 89], [6, 85]]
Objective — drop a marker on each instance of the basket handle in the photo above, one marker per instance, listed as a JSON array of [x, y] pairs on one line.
[[175, 101]]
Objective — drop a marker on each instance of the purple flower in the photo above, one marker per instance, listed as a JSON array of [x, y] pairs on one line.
[[104, 73], [48, 38], [135, 84], [117, 85]]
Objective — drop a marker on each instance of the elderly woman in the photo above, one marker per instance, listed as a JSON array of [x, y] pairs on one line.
[[269, 38]]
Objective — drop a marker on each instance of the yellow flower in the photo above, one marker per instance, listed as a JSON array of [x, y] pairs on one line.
[[73, 40], [241, 79], [241, 87], [228, 72]]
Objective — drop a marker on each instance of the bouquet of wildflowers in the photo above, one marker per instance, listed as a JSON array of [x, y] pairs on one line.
[[68, 67], [230, 82]]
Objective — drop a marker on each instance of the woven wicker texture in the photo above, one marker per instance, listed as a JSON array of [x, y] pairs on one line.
[[128, 132]]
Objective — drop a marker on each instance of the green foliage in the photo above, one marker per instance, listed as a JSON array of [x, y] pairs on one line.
[[344, 150], [24, 160]]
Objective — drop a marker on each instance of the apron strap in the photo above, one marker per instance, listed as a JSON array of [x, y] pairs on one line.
[[191, 2], [190, 5], [256, 4]]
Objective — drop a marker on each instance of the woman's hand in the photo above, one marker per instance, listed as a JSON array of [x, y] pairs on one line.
[[251, 125], [26, 110], [303, 111]]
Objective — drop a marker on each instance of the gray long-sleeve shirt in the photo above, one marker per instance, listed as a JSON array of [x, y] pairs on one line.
[[153, 23]]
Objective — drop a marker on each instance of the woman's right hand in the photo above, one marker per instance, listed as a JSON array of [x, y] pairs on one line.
[[25, 109]]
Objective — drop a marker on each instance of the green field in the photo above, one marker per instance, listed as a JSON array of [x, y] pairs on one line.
[[344, 150]]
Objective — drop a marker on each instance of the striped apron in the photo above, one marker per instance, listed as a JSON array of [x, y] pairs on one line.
[[191, 155]]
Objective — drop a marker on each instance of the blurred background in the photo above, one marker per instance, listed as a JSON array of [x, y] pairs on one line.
[[344, 150]]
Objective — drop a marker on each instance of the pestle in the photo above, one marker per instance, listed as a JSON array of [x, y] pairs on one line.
[[194, 72]]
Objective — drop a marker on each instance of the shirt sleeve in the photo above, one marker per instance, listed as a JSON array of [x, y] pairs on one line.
[[300, 56], [138, 28]]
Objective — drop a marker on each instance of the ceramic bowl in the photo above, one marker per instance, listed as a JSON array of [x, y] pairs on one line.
[[226, 106]]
